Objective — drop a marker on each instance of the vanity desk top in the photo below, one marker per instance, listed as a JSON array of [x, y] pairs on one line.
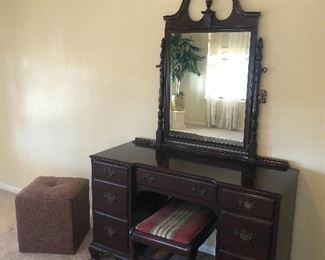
[[199, 166]]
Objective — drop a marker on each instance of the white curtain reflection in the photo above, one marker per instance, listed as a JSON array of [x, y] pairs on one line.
[[227, 114], [226, 80]]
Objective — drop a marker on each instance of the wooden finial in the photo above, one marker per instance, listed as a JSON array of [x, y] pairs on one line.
[[208, 3]]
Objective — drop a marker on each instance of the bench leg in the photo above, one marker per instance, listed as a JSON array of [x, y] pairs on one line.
[[94, 254]]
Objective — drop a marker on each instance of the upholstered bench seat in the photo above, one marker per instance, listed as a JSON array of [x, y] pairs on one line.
[[53, 215], [178, 221]]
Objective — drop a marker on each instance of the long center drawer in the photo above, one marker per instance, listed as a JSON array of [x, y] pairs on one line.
[[176, 184]]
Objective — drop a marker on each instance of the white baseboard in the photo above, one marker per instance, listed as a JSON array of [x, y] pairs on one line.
[[9, 188], [198, 123]]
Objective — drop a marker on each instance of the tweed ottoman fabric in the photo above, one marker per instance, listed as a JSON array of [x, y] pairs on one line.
[[53, 215], [179, 221]]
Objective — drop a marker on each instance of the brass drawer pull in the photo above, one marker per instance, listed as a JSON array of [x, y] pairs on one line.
[[198, 190], [110, 198], [246, 204], [109, 231], [149, 179], [109, 172], [244, 236]]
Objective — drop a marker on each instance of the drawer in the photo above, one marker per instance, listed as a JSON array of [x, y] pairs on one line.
[[178, 185], [111, 233], [245, 236], [248, 203], [112, 173], [228, 256], [110, 198], [223, 255]]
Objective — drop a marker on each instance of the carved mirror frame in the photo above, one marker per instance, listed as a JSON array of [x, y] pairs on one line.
[[238, 21]]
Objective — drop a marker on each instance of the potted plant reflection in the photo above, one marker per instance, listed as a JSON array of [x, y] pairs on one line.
[[184, 56]]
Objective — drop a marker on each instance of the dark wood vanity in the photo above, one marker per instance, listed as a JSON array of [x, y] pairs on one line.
[[254, 206], [253, 197]]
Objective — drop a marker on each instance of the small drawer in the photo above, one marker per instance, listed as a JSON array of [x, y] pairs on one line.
[[244, 236], [111, 233], [112, 173], [110, 198], [248, 203], [179, 185]]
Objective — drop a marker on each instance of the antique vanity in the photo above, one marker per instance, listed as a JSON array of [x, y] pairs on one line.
[[205, 147]]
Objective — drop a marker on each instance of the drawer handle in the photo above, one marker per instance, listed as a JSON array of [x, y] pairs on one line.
[[244, 236], [109, 172], [246, 204], [109, 231], [110, 198], [148, 179], [199, 191]]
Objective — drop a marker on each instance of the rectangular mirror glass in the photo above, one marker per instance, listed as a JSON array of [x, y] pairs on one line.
[[208, 84]]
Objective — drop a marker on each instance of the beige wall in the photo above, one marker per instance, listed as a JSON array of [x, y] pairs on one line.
[[77, 79]]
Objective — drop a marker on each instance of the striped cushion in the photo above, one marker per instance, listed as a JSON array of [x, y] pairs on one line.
[[179, 221]]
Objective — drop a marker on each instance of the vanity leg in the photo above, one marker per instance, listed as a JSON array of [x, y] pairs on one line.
[[132, 249], [192, 254]]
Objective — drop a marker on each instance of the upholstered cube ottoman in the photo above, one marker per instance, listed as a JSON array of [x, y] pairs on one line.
[[53, 215]]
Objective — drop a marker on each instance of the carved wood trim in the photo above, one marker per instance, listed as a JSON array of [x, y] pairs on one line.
[[238, 18], [272, 163], [260, 161], [255, 110], [109, 161], [159, 132]]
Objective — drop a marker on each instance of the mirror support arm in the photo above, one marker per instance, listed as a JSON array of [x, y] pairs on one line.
[[159, 132]]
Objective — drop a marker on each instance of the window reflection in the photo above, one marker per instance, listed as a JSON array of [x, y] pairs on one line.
[[208, 98]]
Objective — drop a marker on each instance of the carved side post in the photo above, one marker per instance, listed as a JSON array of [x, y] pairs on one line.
[[159, 132], [255, 108]]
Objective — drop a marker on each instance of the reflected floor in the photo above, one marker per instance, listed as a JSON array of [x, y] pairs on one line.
[[237, 136]]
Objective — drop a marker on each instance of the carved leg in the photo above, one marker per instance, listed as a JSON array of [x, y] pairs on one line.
[[192, 255], [132, 245], [132, 248], [94, 254]]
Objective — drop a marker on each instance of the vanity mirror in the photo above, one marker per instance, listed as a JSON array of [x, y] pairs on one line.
[[210, 77], [208, 84]]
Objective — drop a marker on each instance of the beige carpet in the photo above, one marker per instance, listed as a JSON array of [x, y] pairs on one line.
[[9, 243]]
